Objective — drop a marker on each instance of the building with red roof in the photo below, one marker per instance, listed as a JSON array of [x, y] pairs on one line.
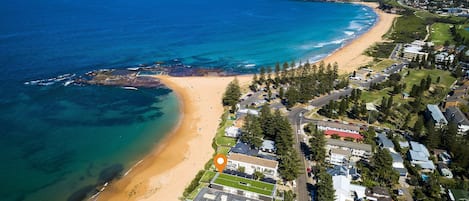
[[342, 134]]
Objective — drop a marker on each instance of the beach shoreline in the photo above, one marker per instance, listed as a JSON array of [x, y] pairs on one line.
[[166, 171], [350, 56]]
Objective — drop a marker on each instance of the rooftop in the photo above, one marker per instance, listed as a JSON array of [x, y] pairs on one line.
[[419, 148], [210, 194], [454, 114], [332, 124], [436, 113], [417, 156], [268, 144], [241, 183], [351, 145], [253, 160], [384, 141], [341, 152], [344, 134], [396, 158], [243, 148]]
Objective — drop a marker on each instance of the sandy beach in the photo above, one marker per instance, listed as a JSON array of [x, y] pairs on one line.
[[350, 57], [166, 171]]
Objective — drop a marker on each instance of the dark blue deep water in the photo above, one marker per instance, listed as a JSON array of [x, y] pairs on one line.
[[58, 141]]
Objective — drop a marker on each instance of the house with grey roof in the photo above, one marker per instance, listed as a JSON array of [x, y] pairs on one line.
[[434, 113], [419, 155], [454, 114], [384, 142], [397, 162], [358, 150]]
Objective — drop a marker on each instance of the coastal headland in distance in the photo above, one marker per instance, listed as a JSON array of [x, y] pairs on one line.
[[165, 172]]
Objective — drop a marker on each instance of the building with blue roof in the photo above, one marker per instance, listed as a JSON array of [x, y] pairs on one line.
[[384, 142], [397, 162], [419, 155], [434, 113]]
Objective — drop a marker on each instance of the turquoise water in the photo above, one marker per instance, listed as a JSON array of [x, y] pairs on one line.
[[58, 142]]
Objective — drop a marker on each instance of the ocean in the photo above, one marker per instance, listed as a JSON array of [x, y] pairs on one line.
[[59, 142]]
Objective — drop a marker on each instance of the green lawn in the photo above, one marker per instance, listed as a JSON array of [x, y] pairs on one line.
[[208, 176], [220, 138], [223, 150], [375, 96], [425, 14], [245, 184], [416, 75], [440, 33], [196, 191], [382, 65]]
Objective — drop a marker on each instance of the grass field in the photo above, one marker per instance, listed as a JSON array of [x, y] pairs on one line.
[[382, 65], [245, 184], [425, 14], [440, 33], [375, 96], [416, 75], [208, 175], [220, 138]]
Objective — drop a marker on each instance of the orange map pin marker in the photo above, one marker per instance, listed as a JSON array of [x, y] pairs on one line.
[[220, 162]]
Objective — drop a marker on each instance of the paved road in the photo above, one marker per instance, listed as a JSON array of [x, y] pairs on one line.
[[323, 100], [394, 52], [295, 118]]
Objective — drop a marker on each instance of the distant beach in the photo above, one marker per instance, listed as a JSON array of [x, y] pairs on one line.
[[351, 57], [165, 173]]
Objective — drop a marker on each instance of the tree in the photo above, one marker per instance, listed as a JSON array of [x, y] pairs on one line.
[[252, 132], [317, 144], [261, 75], [289, 165], [241, 169], [232, 94], [382, 166], [432, 137], [291, 97], [289, 195], [258, 175], [418, 126], [325, 190]]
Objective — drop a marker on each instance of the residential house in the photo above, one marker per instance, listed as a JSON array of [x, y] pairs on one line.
[[339, 156], [434, 113], [444, 157], [444, 57], [243, 112], [419, 155], [378, 194], [454, 114], [342, 130], [397, 162], [244, 187], [345, 191], [252, 164], [232, 131], [331, 125], [445, 171], [210, 194], [351, 173], [358, 150], [414, 51], [243, 148]]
